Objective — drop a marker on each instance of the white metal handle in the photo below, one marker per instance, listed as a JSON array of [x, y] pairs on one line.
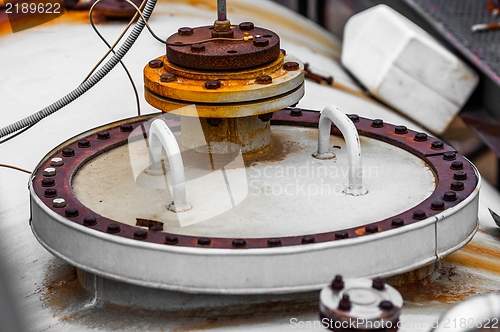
[[333, 114], [161, 136]]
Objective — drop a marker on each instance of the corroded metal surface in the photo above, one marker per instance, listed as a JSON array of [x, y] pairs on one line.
[[224, 55], [455, 182]]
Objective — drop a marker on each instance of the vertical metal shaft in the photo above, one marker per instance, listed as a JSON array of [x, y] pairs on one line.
[[221, 10]]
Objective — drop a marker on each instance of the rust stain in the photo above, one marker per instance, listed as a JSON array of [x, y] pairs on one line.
[[446, 285], [279, 150], [473, 257]]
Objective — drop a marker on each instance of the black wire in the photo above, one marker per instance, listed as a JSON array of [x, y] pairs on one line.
[[16, 134]]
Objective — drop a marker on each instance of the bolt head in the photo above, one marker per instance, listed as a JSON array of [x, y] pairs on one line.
[[56, 162], [296, 113], [71, 212], [204, 241], [113, 228], [246, 26], [283, 51], [141, 234], [126, 128], [308, 239], [345, 303], [450, 155], [457, 186], [185, 31], [198, 48], [83, 143], [397, 222], [377, 123], [337, 283], [291, 66], [212, 85], [450, 196], [155, 64], [68, 152], [420, 137], [46, 182], [260, 42], [456, 165], [419, 215], [437, 205], [437, 145], [239, 243], [378, 283], [386, 305], [90, 220], [371, 229], [50, 192], [354, 117], [460, 176], [264, 79], [341, 235], [103, 135], [59, 202], [274, 242], [400, 130], [165, 78], [214, 122], [171, 239]]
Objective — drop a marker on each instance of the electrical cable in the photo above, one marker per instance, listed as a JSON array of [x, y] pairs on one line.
[[88, 84], [16, 168]]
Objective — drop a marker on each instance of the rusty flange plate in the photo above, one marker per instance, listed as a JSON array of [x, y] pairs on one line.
[[223, 55], [455, 179]]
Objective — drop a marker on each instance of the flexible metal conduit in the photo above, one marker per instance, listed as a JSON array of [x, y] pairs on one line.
[[333, 114], [88, 84]]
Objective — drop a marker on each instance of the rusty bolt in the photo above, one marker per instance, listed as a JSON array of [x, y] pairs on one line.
[[378, 283], [204, 241], [457, 186], [307, 239], [337, 283], [49, 171], [260, 42], [371, 229], [68, 152], [450, 196], [420, 137], [437, 145], [58, 202], [71, 212], [283, 51], [171, 239], [400, 130], [296, 113], [103, 135], [246, 26], [274, 242], [155, 63], [354, 117], [198, 48], [46, 182], [214, 122], [377, 123], [113, 228], [449, 155], [212, 85], [457, 165], [264, 79], [386, 305], [345, 303], [50, 192], [456, 176], [167, 78], [341, 235], [265, 117], [397, 222], [90, 220], [83, 143], [141, 234], [239, 243], [126, 128], [291, 66], [56, 162], [437, 205], [185, 31], [419, 215]]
